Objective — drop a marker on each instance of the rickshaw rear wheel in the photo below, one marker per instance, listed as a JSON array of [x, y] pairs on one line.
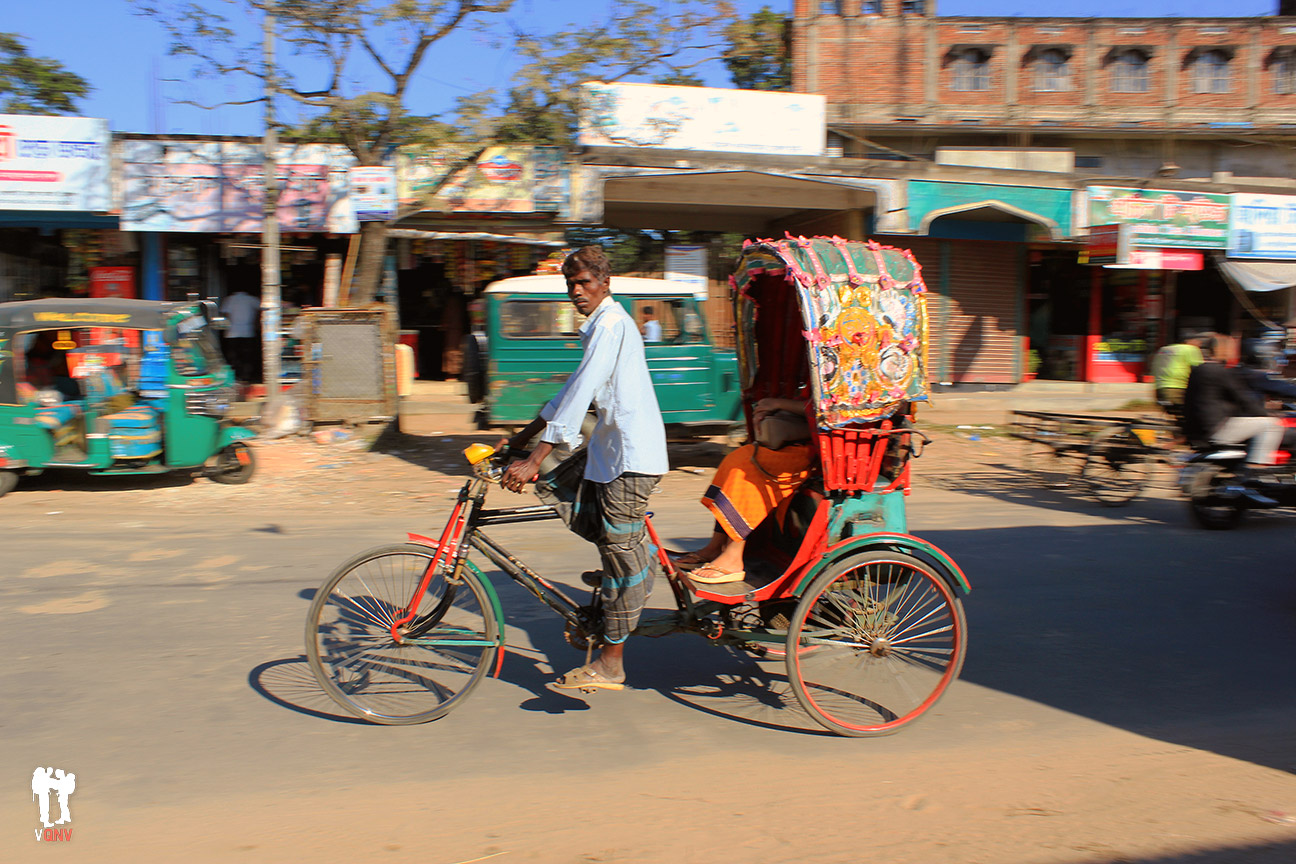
[[889, 636], [8, 482], [235, 464]]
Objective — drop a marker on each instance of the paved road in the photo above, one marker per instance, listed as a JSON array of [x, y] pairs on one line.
[[1128, 695]]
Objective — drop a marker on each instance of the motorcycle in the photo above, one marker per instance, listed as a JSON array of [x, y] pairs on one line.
[[1220, 488]]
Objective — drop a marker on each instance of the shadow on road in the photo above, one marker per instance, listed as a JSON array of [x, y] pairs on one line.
[[289, 684], [1182, 635], [1066, 493], [1263, 853]]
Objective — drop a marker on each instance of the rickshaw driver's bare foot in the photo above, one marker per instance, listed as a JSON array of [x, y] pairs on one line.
[[610, 663]]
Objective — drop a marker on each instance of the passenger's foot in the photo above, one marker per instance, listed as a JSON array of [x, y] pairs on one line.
[[713, 575]]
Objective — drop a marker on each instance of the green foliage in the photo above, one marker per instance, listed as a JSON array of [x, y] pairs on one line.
[[35, 85], [759, 56], [341, 41]]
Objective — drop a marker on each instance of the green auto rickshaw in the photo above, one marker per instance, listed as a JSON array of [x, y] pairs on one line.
[[115, 386], [531, 344]]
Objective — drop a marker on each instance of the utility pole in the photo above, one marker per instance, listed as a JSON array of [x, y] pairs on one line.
[[271, 307]]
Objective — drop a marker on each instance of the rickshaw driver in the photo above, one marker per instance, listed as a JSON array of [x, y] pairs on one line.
[[602, 492]]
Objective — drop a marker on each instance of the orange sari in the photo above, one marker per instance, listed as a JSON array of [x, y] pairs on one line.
[[750, 483]]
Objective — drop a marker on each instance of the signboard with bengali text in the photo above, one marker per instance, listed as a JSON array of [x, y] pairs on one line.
[[54, 163], [1163, 218], [1262, 226]]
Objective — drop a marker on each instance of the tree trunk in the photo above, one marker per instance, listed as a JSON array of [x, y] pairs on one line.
[[369, 267]]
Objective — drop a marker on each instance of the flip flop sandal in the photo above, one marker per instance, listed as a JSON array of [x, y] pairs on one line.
[[708, 575], [587, 679], [687, 561]]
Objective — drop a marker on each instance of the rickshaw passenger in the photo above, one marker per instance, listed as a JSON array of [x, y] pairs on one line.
[[602, 491], [750, 483]]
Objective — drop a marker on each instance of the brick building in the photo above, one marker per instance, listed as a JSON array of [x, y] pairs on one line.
[[1178, 89], [1109, 105]]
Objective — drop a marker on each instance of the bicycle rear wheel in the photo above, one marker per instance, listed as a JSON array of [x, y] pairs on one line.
[[1117, 467], [444, 652], [889, 637]]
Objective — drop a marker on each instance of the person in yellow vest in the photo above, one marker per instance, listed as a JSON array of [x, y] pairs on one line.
[[1170, 369]]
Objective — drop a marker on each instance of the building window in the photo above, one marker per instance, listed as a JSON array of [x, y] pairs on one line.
[[871, 7], [1284, 72], [913, 7], [829, 7], [971, 70], [1052, 71], [1211, 72], [1130, 72]]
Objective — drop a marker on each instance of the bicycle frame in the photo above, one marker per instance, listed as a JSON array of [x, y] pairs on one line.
[[463, 533]]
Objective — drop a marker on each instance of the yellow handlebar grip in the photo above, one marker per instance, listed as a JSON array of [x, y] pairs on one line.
[[477, 452]]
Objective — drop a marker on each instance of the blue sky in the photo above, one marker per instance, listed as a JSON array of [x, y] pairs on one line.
[[138, 87]]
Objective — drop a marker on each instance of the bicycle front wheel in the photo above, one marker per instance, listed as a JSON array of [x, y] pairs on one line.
[[888, 637], [443, 653], [1117, 467]]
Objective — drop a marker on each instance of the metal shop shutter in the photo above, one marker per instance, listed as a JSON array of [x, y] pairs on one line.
[[981, 343]]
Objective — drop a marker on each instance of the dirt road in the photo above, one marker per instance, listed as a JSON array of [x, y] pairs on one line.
[[1128, 694]]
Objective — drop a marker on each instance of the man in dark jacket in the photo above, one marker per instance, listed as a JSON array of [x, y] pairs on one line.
[[1220, 408]]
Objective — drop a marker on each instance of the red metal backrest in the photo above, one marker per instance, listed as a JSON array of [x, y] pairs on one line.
[[852, 458]]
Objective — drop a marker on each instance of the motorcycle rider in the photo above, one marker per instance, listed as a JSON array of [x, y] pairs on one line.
[[1258, 368], [1220, 408]]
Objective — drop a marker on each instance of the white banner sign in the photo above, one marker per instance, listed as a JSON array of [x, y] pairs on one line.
[[688, 264], [54, 163], [702, 118], [1262, 226], [373, 193]]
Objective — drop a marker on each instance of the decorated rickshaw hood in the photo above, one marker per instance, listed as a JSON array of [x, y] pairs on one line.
[[863, 316]]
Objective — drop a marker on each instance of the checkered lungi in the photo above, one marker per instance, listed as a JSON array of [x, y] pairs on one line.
[[611, 516]]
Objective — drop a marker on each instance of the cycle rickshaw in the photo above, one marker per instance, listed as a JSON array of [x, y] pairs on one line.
[[867, 618]]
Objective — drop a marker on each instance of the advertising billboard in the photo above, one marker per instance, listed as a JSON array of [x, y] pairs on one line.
[[1163, 218], [218, 187], [503, 179], [1262, 226], [701, 118], [54, 163], [373, 193]]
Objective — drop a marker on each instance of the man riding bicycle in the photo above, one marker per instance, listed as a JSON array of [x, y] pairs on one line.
[[602, 491]]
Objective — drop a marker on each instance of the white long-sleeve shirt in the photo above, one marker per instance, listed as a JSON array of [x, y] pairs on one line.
[[613, 376]]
